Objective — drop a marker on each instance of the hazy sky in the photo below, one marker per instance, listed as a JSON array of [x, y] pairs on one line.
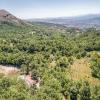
[[50, 8]]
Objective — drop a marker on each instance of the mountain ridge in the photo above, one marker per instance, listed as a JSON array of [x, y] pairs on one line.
[[8, 18]]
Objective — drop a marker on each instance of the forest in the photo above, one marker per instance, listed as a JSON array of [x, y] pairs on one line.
[[50, 52]]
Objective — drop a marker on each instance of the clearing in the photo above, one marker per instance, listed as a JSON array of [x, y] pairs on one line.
[[80, 70], [8, 70]]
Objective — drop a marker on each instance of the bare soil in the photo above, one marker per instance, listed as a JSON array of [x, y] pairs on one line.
[[8, 70]]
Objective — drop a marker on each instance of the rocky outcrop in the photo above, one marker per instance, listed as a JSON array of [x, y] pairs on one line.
[[8, 18]]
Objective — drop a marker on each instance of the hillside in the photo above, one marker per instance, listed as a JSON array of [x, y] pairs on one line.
[[8, 18], [64, 63]]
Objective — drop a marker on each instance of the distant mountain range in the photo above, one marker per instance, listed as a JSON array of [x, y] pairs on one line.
[[8, 18], [85, 21]]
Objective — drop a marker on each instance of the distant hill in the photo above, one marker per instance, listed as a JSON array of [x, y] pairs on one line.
[[86, 21], [8, 18]]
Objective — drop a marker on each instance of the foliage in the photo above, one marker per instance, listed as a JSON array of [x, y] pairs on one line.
[[34, 48], [95, 65]]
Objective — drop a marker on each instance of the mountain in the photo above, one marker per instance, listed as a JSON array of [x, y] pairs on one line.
[[85, 21], [8, 18]]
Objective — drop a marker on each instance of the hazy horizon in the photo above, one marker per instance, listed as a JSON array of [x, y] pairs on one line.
[[27, 9]]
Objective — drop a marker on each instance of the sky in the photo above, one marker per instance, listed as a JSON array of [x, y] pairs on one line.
[[27, 9]]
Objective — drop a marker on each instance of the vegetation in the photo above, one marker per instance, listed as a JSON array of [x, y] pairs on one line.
[[48, 52], [95, 65]]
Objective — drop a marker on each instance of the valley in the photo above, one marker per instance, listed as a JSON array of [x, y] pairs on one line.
[[52, 61]]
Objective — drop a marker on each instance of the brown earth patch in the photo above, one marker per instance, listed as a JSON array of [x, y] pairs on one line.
[[8, 70]]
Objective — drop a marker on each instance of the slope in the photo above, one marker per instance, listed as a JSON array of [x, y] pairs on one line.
[[8, 18], [80, 70]]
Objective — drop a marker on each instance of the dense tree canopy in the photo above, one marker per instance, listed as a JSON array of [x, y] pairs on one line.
[[47, 52]]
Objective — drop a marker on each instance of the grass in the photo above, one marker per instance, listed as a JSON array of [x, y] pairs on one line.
[[80, 70]]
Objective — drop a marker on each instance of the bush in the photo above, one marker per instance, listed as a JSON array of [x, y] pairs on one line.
[[95, 66]]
